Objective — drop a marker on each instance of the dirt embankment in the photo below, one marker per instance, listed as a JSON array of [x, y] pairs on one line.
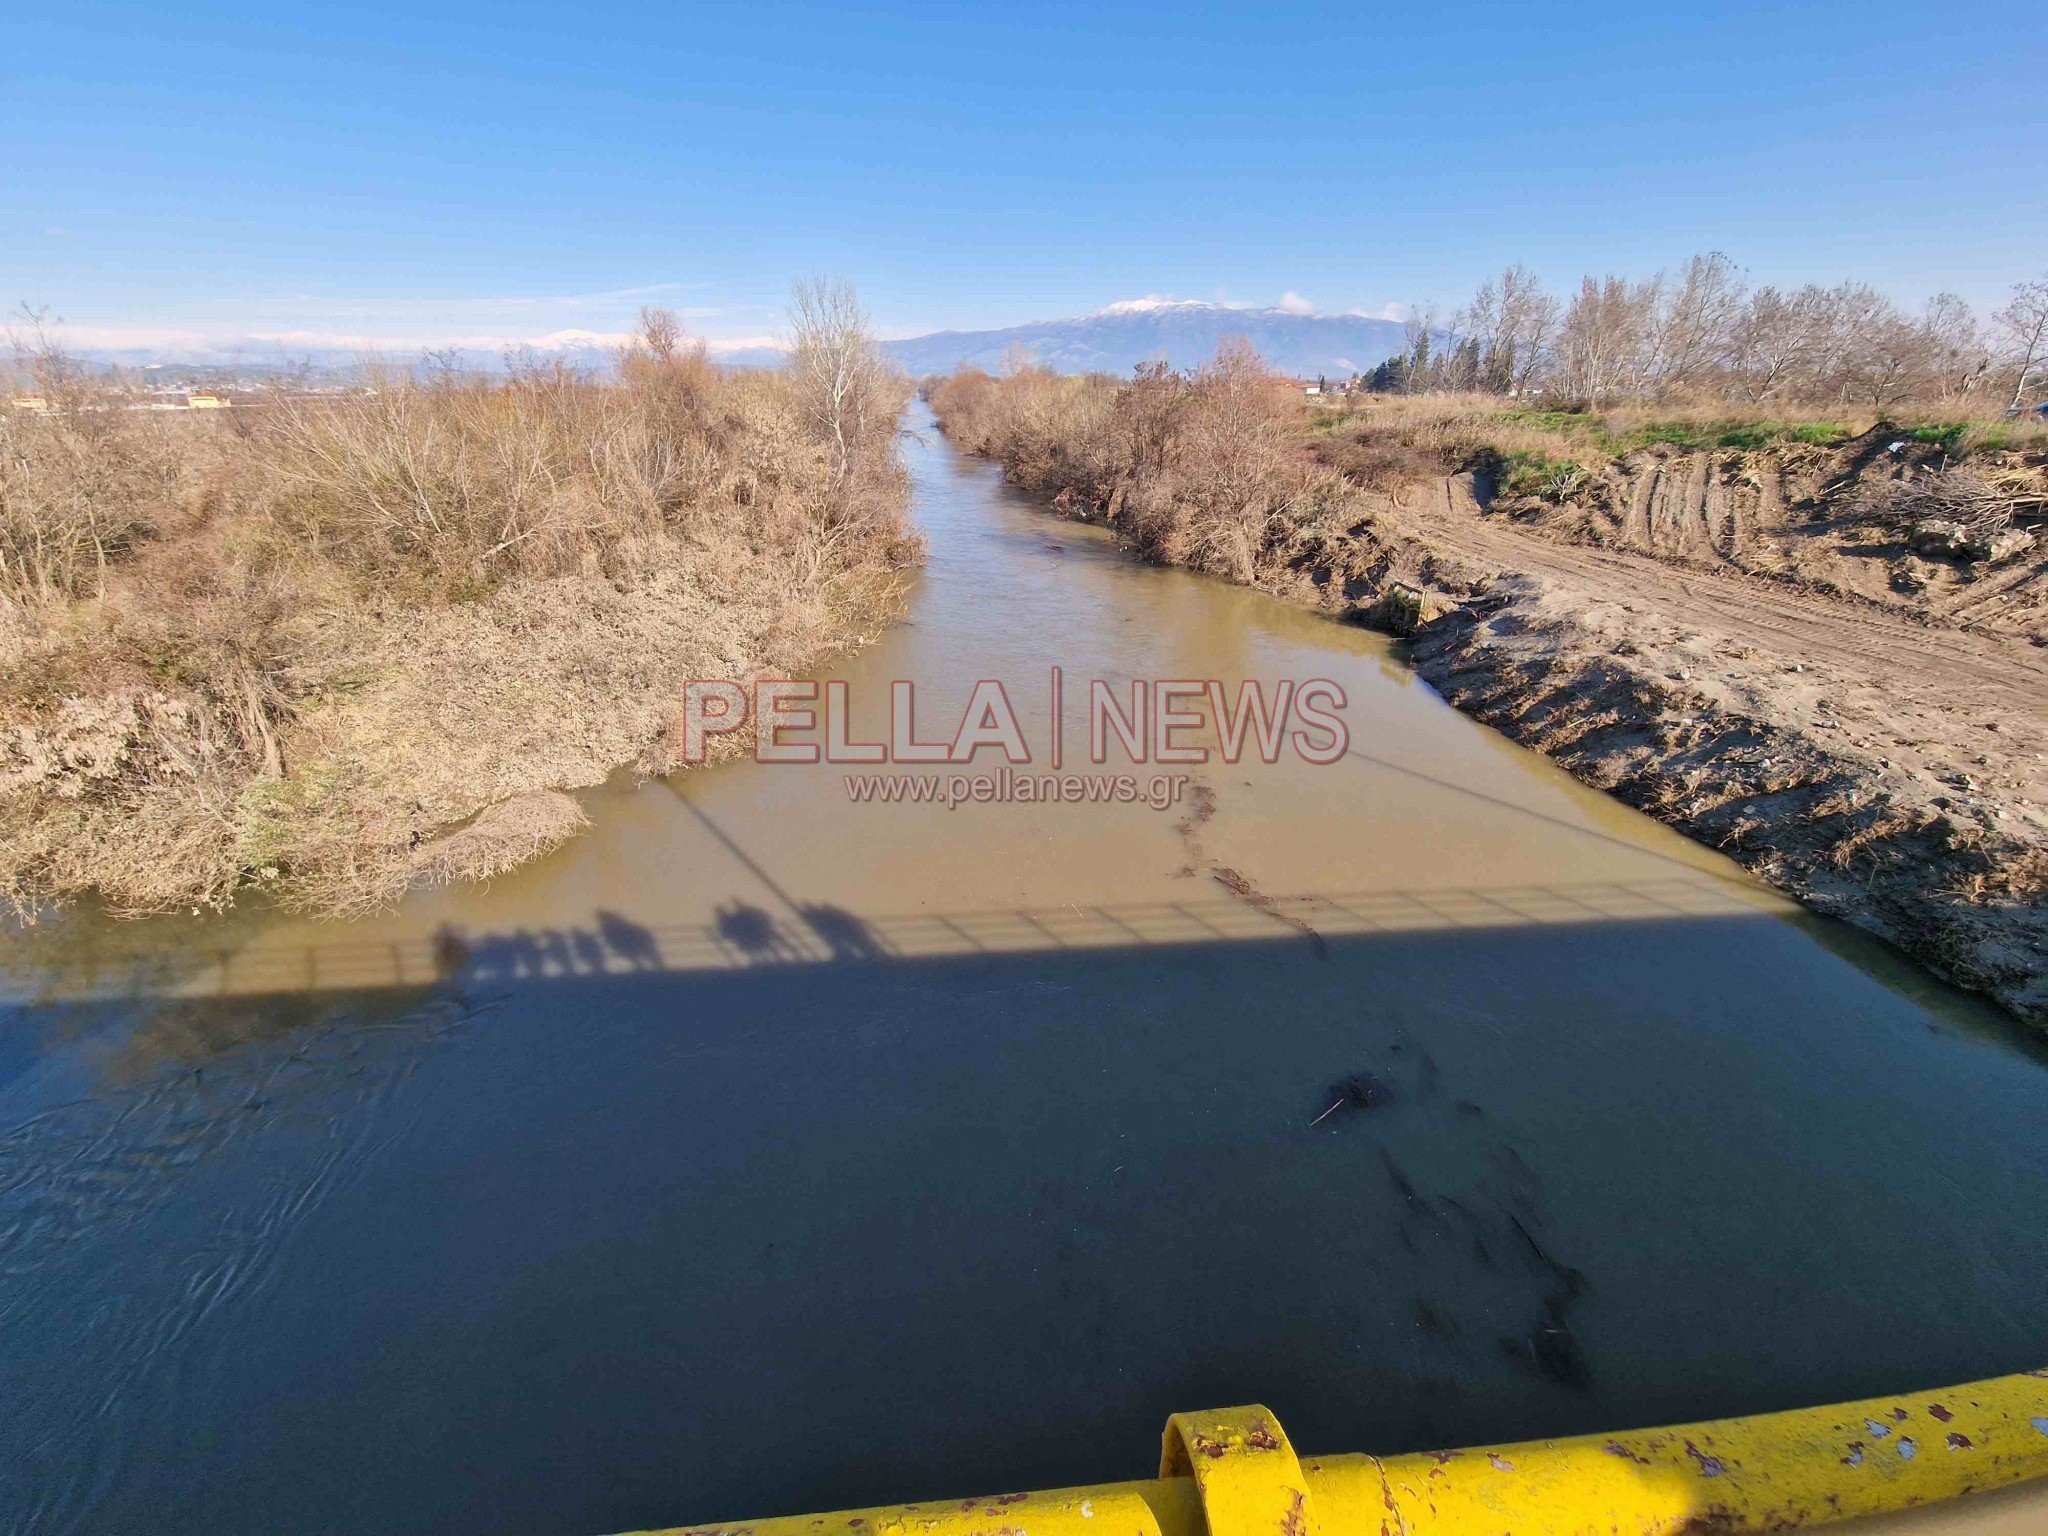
[[1801, 515], [1723, 642]]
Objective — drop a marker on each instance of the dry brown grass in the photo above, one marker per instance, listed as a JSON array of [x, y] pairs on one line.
[[293, 646], [503, 837]]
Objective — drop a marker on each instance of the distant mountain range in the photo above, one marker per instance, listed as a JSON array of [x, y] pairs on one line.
[[1184, 332]]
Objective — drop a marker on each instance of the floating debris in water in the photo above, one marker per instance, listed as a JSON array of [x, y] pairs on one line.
[[1361, 1090], [1552, 1348], [1558, 1351], [1570, 1283]]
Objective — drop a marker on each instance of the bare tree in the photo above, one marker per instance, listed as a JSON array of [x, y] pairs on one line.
[[1957, 358], [1528, 316], [1770, 340], [1876, 353], [1018, 357], [1704, 333], [1605, 337], [662, 331], [1479, 320], [1849, 323], [841, 379], [1503, 331], [1692, 333], [2024, 323]]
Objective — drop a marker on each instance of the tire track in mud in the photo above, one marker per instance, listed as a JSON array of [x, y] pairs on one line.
[[1733, 601], [1994, 596], [1758, 514]]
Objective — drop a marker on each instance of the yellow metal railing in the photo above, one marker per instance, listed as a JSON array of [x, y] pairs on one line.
[[1231, 1472]]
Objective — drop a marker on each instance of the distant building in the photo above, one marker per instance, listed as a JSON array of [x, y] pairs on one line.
[[31, 403], [204, 402]]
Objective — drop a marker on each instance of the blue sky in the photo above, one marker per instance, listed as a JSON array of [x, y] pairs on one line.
[[502, 171]]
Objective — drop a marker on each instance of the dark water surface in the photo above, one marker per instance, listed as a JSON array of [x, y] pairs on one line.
[[761, 1152]]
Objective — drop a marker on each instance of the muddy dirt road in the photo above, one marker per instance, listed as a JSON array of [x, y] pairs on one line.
[[1881, 767], [1885, 677]]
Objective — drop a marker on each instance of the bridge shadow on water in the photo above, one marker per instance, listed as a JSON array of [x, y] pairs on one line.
[[743, 934], [793, 1210]]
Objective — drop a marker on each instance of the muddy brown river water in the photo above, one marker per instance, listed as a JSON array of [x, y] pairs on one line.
[[761, 1151]]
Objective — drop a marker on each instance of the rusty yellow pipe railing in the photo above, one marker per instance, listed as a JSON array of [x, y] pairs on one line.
[[1231, 1472]]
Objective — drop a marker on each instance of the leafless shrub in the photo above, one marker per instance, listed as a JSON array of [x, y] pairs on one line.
[[1202, 469], [287, 644], [80, 482], [462, 481]]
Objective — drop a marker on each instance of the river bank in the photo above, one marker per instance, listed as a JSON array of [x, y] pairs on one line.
[[334, 646], [1693, 631], [1877, 770]]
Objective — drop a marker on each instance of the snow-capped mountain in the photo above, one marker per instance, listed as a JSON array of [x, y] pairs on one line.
[[1185, 332]]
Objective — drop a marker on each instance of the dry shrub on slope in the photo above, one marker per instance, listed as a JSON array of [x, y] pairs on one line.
[[293, 643]]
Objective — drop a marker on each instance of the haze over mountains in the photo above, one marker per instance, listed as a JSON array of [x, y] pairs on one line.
[[1184, 333], [254, 358]]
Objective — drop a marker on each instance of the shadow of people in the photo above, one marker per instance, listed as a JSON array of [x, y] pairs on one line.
[[629, 941], [451, 952], [753, 933], [523, 954], [492, 957], [846, 936], [589, 950], [556, 959]]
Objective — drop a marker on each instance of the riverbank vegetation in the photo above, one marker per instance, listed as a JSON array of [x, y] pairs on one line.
[[1809, 634], [1207, 468], [336, 644], [1235, 472]]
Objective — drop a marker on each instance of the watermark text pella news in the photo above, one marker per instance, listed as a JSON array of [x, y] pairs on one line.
[[1174, 722], [1006, 786]]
